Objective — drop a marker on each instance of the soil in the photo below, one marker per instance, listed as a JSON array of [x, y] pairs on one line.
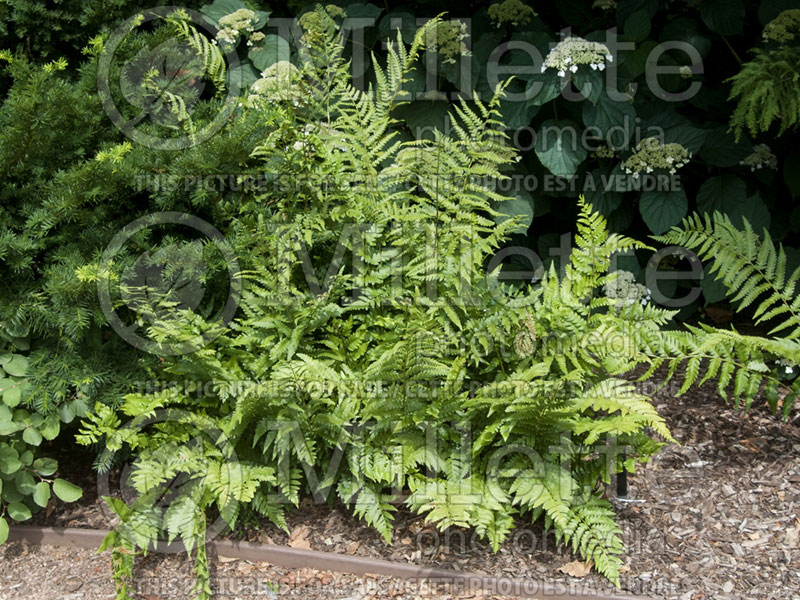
[[715, 517]]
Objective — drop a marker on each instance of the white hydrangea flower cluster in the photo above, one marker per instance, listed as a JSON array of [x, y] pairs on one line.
[[276, 83], [651, 154], [307, 130], [448, 40], [254, 38], [604, 152], [572, 52], [311, 128], [761, 157], [783, 28], [511, 11], [605, 4], [624, 291], [235, 24]]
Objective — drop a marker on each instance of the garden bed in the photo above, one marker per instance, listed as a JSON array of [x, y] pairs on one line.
[[179, 179], [719, 520]]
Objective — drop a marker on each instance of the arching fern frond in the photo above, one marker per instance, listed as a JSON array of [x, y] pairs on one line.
[[213, 60], [594, 247], [752, 269]]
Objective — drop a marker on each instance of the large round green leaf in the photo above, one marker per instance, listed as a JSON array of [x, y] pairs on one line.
[[723, 193], [604, 202], [32, 436], [11, 493], [3, 530], [691, 138], [662, 210], [721, 149], [423, 116], [517, 113], [725, 17], [219, 8], [399, 19], [42, 493], [273, 48], [755, 211], [25, 483], [361, 10], [12, 396], [713, 289], [634, 63], [614, 118], [21, 343], [521, 207], [51, 426], [18, 511], [484, 62], [7, 427], [243, 76], [45, 466], [66, 412], [9, 460], [598, 192], [589, 83], [637, 27], [559, 147], [545, 86], [66, 491], [17, 366], [26, 458], [626, 8]]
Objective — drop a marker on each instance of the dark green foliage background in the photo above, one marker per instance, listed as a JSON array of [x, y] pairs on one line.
[[57, 212]]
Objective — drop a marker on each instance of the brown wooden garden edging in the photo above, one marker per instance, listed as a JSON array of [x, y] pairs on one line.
[[328, 561]]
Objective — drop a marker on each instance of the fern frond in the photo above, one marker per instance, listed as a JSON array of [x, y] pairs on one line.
[[594, 534], [750, 267], [767, 90], [213, 60]]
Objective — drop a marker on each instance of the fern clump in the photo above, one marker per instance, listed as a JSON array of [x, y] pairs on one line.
[[376, 362], [767, 88]]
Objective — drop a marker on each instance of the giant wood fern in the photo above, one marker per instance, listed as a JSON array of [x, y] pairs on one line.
[[404, 374]]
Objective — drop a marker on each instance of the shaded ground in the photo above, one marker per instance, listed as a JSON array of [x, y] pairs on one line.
[[720, 519]]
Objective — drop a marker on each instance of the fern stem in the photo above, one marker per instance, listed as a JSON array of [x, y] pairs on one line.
[[735, 55]]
